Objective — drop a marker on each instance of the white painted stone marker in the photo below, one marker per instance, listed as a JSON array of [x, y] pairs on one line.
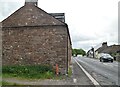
[[74, 80]]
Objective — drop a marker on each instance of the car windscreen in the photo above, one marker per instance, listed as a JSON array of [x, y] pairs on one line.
[[107, 55]]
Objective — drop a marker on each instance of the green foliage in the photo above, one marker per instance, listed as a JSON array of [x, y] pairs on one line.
[[78, 52], [34, 71], [73, 52], [69, 72]]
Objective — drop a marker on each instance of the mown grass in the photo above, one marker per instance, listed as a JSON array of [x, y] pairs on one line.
[[32, 71]]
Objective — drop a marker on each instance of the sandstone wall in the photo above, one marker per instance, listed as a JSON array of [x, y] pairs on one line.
[[35, 45]]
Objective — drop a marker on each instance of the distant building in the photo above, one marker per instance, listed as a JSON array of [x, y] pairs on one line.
[[31, 36], [59, 16], [113, 49], [90, 53], [108, 49]]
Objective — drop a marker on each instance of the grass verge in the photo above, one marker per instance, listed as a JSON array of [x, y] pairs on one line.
[[69, 72], [33, 72]]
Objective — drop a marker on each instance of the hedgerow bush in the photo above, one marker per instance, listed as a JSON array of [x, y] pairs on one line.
[[29, 71]]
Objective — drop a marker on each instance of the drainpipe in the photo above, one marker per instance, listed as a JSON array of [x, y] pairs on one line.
[[67, 56], [67, 48]]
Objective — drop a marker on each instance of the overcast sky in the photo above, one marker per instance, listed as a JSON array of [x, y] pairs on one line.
[[90, 22]]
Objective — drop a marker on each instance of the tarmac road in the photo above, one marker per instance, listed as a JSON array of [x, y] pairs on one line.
[[106, 73]]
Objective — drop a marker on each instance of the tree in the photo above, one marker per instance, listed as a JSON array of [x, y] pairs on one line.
[[76, 52]]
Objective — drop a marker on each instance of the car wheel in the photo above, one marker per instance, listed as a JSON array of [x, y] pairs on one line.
[[102, 60], [111, 60]]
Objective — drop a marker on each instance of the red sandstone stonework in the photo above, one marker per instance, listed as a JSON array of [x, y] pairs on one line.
[[31, 36]]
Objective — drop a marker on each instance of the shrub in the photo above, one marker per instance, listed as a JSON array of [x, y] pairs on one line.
[[29, 71]]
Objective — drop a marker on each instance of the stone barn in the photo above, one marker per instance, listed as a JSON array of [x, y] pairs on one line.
[[31, 36]]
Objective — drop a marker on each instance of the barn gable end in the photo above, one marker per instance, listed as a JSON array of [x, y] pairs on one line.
[[30, 36]]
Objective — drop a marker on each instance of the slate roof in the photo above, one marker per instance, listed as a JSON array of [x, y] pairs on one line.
[[112, 49], [109, 49], [30, 15]]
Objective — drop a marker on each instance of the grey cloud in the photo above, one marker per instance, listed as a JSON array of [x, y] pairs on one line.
[[79, 39], [82, 37], [7, 8], [86, 45], [119, 35]]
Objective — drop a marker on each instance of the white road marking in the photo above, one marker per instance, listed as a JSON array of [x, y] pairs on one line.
[[89, 76]]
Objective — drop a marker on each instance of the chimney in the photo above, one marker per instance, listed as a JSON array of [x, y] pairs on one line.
[[31, 2], [104, 44]]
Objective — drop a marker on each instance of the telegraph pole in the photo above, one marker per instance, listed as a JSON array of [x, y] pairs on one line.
[[93, 52]]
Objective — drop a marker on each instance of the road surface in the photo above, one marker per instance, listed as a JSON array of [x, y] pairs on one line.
[[106, 73]]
